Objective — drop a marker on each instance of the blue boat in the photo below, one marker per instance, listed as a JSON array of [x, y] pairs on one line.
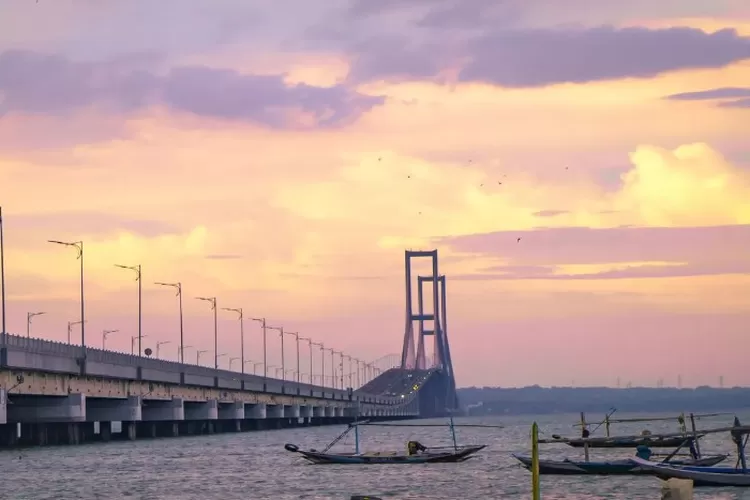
[[616, 467]]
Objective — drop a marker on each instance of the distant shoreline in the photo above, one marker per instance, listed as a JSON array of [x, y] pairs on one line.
[[535, 400]]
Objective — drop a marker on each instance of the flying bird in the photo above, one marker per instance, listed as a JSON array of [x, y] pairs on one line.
[[518, 240]]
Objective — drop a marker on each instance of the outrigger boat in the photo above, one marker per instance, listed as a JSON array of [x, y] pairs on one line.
[[738, 476], [626, 466], [416, 452]]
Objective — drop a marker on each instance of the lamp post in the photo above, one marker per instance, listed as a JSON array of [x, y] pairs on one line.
[[178, 287], [159, 344], [105, 333], [296, 337], [280, 329], [181, 352], [351, 373], [231, 360], [78, 245], [30, 315], [242, 336], [217, 359], [322, 362], [198, 356], [309, 344], [212, 300], [255, 365], [137, 270], [359, 370], [262, 322], [132, 343], [341, 367], [71, 324], [333, 367], [2, 274]]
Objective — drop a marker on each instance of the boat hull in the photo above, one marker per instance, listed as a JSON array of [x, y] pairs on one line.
[[701, 476], [624, 467], [461, 454], [630, 442]]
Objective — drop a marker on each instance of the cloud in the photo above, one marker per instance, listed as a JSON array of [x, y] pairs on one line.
[[740, 103], [82, 223], [549, 213], [630, 271], [718, 93], [522, 58], [585, 245], [33, 83]]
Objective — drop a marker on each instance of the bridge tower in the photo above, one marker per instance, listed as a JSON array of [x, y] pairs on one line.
[[413, 356]]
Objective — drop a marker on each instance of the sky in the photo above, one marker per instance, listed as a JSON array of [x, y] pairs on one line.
[[583, 169]]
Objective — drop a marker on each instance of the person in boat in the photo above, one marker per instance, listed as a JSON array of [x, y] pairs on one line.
[[644, 452], [414, 447], [585, 433]]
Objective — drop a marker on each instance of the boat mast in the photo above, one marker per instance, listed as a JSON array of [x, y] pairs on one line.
[[453, 435]]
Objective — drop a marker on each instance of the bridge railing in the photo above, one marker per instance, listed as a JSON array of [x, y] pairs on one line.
[[46, 355]]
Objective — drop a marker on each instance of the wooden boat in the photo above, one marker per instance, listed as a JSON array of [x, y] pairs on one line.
[[708, 476], [429, 456], [629, 442], [416, 453], [615, 467], [701, 476]]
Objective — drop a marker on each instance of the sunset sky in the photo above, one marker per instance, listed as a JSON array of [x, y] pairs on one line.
[[283, 155]]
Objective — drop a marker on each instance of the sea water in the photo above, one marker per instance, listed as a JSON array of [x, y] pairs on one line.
[[255, 466]]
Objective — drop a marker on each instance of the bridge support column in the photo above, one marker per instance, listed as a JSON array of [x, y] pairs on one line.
[[232, 414], [330, 411], [114, 410], [3, 407], [256, 411], [200, 417], [160, 411], [35, 409]]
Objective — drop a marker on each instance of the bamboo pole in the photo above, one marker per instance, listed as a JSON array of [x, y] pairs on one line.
[[535, 486]]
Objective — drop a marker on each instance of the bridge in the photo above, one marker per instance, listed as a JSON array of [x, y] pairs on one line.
[[62, 393], [429, 380]]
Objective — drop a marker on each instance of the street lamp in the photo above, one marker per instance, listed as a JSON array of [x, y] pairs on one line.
[[198, 356], [333, 368], [137, 270], [309, 344], [217, 359], [28, 321], [351, 373], [296, 336], [212, 300], [341, 365], [322, 362], [242, 336], [105, 333], [78, 245], [232, 360], [132, 343], [177, 286], [181, 352], [2, 274], [280, 329], [262, 322], [71, 324], [159, 344], [255, 364]]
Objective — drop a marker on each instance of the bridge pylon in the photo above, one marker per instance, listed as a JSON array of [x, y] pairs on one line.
[[430, 323]]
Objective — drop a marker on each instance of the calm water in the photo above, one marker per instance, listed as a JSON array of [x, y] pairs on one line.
[[254, 466]]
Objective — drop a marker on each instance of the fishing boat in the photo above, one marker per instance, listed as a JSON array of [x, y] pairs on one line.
[[738, 476], [624, 466], [416, 453]]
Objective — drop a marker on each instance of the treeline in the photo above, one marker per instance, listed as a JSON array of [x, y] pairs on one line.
[[543, 400]]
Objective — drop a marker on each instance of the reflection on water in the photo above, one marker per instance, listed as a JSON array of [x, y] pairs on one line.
[[255, 466]]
